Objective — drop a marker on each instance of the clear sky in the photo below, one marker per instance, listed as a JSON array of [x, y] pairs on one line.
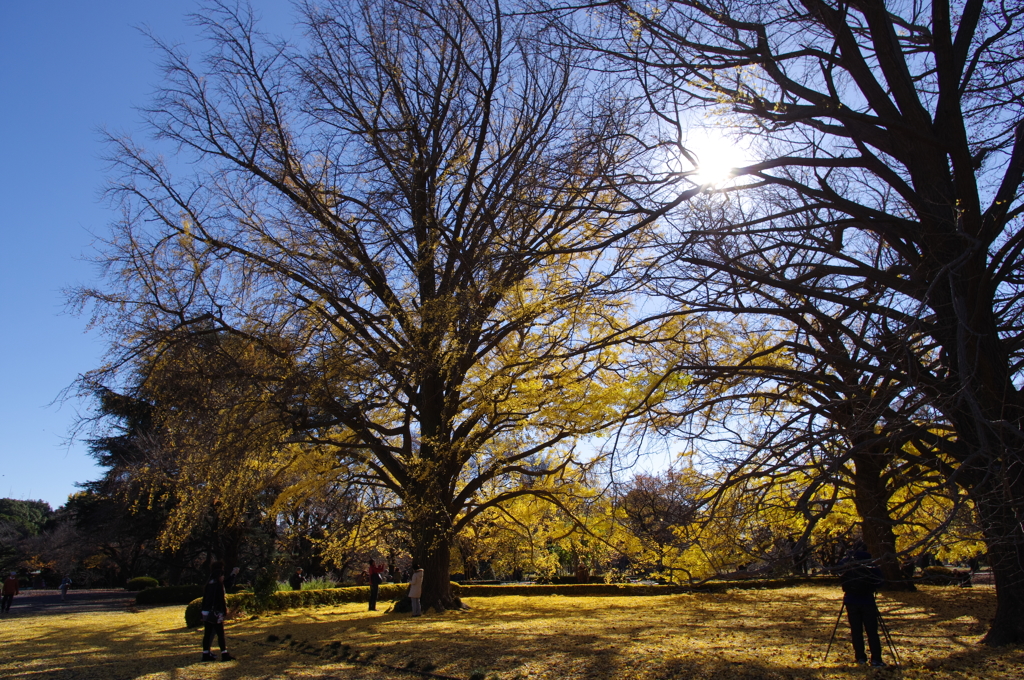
[[67, 69]]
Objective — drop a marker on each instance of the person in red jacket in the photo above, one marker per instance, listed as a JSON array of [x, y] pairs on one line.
[[376, 578], [9, 591]]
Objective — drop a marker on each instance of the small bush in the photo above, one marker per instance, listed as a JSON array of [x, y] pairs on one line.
[[141, 583], [938, 570], [944, 576], [263, 588], [322, 583], [169, 595]]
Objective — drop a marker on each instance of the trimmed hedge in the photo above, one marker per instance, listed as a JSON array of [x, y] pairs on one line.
[[632, 589], [573, 589], [944, 576], [141, 583], [169, 595], [289, 599], [282, 601]]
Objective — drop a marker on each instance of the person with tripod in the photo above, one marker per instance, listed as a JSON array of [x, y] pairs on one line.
[[860, 578]]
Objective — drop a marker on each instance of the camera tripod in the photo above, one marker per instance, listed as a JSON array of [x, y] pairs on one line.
[[881, 624]]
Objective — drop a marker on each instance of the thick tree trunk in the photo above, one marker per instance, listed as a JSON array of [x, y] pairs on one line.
[[999, 502], [1008, 624], [987, 413], [433, 537], [871, 498], [1004, 538], [428, 500]]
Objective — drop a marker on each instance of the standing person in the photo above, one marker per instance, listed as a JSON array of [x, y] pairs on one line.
[[297, 579], [582, 574], [376, 578], [10, 589], [64, 585], [860, 579], [231, 579], [215, 608], [416, 588]]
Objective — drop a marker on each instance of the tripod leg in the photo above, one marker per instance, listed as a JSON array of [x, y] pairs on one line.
[[888, 639], [834, 629]]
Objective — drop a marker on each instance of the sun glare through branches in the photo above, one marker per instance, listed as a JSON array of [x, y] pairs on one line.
[[715, 158]]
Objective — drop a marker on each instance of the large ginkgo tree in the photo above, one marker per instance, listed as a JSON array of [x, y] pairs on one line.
[[411, 210]]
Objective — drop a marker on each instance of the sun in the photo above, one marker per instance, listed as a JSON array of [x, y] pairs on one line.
[[716, 159]]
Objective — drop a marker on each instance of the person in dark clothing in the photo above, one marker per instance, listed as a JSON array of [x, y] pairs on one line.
[[10, 589], [231, 579], [64, 585], [214, 610], [860, 579], [297, 579], [376, 578]]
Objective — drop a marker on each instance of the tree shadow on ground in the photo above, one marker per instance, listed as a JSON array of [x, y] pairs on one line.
[[600, 641], [88, 646], [938, 613]]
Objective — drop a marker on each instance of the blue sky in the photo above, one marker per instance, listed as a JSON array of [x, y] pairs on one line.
[[67, 69]]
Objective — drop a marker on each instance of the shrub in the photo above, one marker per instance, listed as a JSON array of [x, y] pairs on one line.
[[944, 576], [141, 583], [263, 587], [938, 570], [322, 583], [169, 595]]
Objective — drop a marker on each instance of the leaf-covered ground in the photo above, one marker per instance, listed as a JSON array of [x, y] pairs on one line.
[[739, 634]]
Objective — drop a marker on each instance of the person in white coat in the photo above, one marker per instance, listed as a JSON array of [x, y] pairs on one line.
[[416, 588]]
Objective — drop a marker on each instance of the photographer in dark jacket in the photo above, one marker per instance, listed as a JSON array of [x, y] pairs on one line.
[[214, 609], [860, 579]]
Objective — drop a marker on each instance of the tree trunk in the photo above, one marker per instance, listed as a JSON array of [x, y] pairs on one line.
[[433, 543], [987, 413], [230, 547], [998, 496], [871, 498], [1005, 541]]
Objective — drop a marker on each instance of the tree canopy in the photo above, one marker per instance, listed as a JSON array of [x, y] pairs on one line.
[[383, 215]]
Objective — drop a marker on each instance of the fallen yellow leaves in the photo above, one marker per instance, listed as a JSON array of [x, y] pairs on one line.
[[740, 634]]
